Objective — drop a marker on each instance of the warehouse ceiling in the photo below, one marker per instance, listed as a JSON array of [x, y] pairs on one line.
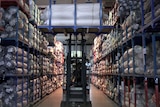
[[108, 4]]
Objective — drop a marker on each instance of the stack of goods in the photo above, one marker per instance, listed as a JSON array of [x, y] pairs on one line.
[[59, 58], [43, 43], [99, 68], [109, 88], [108, 66], [132, 63], [147, 10], [34, 12], [45, 65], [51, 67], [132, 23], [33, 37], [113, 15], [140, 97], [93, 79], [58, 69], [34, 64], [35, 89], [13, 60], [87, 15], [12, 94], [60, 79], [37, 40], [10, 22], [115, 68], [149, 58], [102, 85], [50, 86], [125, 95], [97, 48], [59, 52], [126, 5], [44, 85], [110, 41]]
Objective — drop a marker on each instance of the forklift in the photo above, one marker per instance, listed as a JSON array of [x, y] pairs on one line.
[[76, 87]]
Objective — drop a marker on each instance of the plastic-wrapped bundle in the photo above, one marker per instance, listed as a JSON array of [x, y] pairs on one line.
[[84, 11], [1, 13], [12, 10], [2, 23], [12, 64], [138, 70], [14, 50], [7, 16], [8, 28], [23, 16], [157, 10], [2, 51], [57, 12], [137, 63], [138, 52]]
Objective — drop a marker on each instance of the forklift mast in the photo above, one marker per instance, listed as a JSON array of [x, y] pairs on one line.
[[76, 90]]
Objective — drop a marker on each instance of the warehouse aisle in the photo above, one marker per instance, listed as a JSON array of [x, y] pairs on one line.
[[53, 100], [97, 97]]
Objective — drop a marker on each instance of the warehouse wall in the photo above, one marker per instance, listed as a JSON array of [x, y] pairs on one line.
[[73, 48]]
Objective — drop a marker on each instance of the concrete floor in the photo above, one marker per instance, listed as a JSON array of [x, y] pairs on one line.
[[97, 97]]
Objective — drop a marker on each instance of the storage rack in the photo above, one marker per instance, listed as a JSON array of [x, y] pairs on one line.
[[27, 84], [18, 80], [127, 80], [75, 29]]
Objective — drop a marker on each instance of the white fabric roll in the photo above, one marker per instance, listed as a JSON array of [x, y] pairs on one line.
[[80, 22], [89, 22], [60, 22], [63, 15], [88, 15], [62, 10]]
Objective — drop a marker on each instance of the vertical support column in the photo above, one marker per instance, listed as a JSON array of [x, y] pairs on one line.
[[83, 71], [152, 10], [50, 15], [144, 65], [101, 14], [124, 92], [142, 12], [129, 91], [75, 15], [157, 92], [155, 69], [134, 85], [134, 78], [68, 71], [154, 54], [146, 91]]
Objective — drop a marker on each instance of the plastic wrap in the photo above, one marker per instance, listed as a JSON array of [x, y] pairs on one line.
[[138, 70], [14, 50], [157, 10], [87, 15], [137, 63]]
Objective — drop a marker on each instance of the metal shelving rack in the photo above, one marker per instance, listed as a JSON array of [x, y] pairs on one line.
[[143, 39], [21, 94]]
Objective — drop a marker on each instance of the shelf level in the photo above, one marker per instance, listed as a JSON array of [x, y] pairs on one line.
[[152, 26], [76, 29], [7, 3]]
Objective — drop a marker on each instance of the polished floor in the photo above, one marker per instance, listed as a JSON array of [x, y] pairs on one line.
[[97, 97]]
